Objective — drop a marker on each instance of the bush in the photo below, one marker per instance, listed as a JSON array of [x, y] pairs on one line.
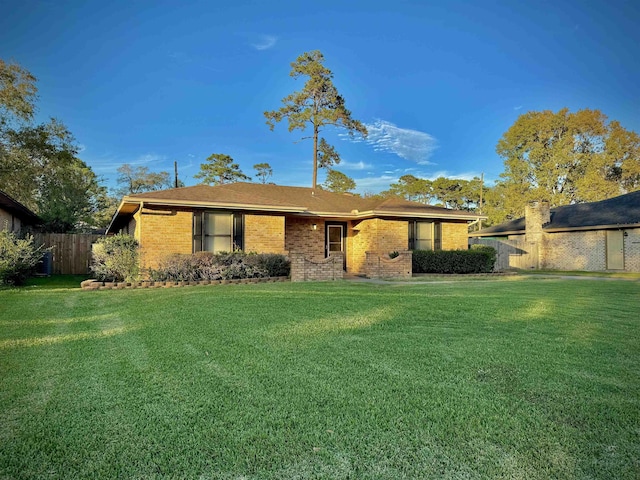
[[477, 260], [221, 266], [18, 257], [274, 265], [115, 259]]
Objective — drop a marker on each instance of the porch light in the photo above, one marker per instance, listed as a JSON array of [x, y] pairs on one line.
[[314, 226]]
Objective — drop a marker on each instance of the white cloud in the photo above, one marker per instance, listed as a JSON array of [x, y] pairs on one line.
[[147, 158], [375, 184], [354, 165], [518, 107], [406, 143], [265, 42]]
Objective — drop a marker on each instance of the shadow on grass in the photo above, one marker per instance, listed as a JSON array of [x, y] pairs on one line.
[[54, 282]]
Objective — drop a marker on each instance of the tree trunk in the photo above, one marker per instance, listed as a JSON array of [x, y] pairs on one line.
[[315, 156]]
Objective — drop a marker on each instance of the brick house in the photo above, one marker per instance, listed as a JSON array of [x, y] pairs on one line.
[[288, 220], [14, 216], [595, 236]]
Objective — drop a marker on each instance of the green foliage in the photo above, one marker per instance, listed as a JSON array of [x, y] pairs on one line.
[[564, 158], [38, 163], [274, 264], [455, 193], [263, 171], [139, 179], [18, 92], [18, 257], [477, 260], [394, 254], [115, 259], [220, 266], [220, 169], [338, 182], [317, 105]]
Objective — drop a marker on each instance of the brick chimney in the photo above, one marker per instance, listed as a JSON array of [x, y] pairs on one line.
[[536, 214]]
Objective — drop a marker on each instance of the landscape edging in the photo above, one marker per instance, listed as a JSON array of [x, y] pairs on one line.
[[93, 284]]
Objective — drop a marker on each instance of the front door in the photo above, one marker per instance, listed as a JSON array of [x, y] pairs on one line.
[[615, 250], [334, 235]]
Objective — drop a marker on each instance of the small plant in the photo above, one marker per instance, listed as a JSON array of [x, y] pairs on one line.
[[115, 259], [18, 257], [394, 254]]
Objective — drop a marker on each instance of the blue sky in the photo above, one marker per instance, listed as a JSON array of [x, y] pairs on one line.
[[437, 83]]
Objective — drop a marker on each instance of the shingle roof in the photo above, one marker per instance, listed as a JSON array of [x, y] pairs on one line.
[[278, 198], [16, 208], [617, 211], [307, 200]]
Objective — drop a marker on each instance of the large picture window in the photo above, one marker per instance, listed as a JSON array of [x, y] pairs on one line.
[[425, 235], [217, 232]]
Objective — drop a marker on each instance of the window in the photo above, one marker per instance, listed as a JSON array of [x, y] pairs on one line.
[[425, 235], [217, 232]]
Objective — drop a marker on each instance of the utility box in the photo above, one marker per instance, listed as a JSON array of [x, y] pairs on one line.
[[45, 267]]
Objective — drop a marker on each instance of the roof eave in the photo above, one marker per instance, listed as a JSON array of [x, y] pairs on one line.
[[591, 227], [497, 234]]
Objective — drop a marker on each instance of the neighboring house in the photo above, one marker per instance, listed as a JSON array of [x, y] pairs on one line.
[[594, 236], [14, 216], [277, 219]]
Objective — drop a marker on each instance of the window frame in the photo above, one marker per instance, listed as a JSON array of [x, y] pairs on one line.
[[199, 235], [435, 234]]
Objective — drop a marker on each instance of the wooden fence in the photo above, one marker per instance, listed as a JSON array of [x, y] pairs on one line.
[[71, 252], [511, 253]]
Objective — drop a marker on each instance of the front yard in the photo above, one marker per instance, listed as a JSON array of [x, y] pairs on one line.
[[510, 378]]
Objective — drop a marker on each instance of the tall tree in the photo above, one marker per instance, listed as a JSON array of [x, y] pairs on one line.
[[140, 179], [567, 158], [219, 169], [18, 92], [338, 182], [317, 105], [71, 199], [38, 163], [263, 171], [414, 188]]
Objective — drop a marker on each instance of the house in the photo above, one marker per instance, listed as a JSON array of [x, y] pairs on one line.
[[289, 220], [595, 236], [14, 216]]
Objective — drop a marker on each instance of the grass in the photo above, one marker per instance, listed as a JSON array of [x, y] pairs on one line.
[[513, 378], [582, 273]]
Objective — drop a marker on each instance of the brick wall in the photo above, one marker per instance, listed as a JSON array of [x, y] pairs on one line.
[[455, 236], [163, 232], [632, 250], [304, 269], [587, 250], [574, 250], [375, 235], [264, 234], [302, 238], [577, 250], [381, 266]]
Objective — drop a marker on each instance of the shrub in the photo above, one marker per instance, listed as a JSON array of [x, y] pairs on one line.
[[115, 259], [477, 260], [394, 254], [220, 266], [275, 265], [18, 257]]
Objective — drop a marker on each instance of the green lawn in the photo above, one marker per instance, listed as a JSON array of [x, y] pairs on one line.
[[513, 378]]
